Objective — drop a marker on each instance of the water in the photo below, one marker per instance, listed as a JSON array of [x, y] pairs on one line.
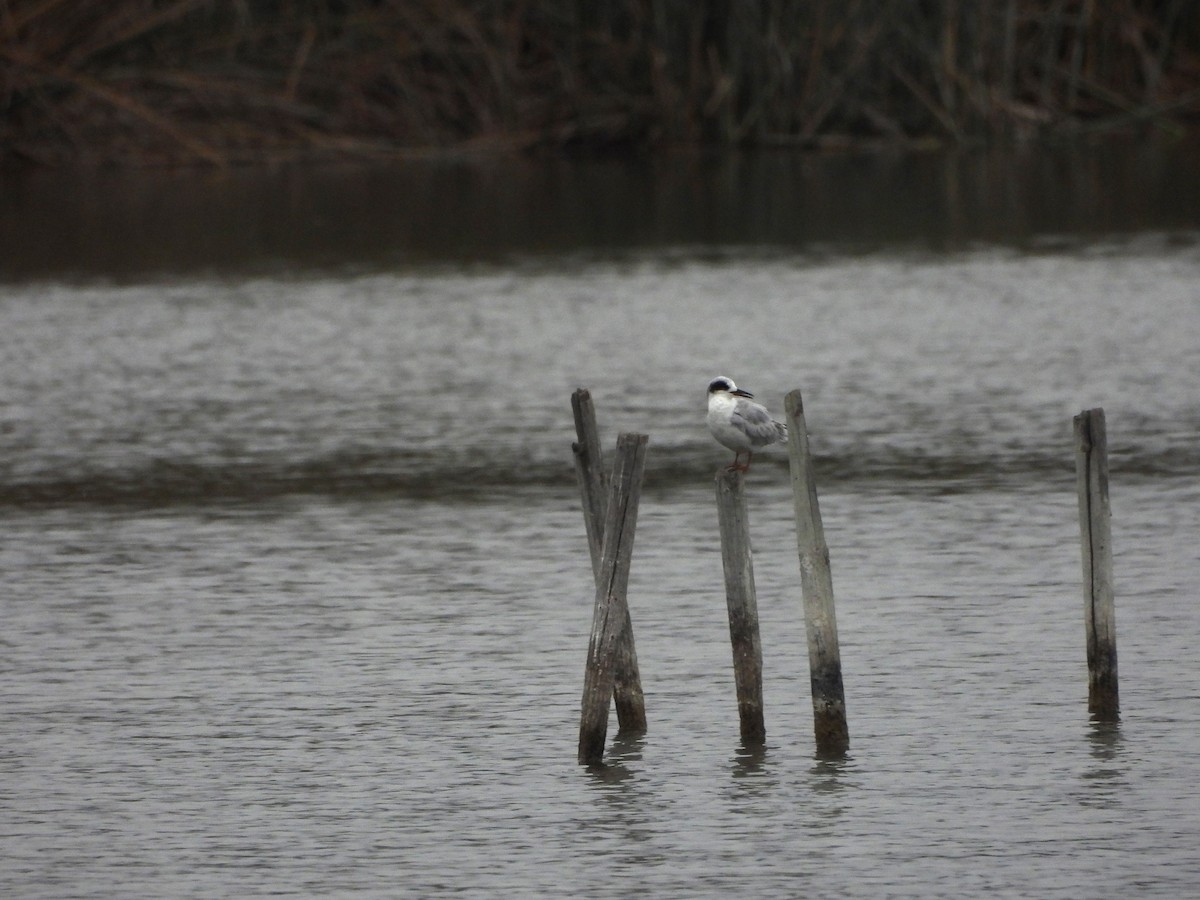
[[297, 589]]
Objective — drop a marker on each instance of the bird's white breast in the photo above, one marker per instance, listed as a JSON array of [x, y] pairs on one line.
[[720, 408]]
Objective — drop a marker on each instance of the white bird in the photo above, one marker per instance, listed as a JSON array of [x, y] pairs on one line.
[[739, 423]]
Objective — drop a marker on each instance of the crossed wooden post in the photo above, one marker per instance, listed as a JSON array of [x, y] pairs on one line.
[[611, 519]]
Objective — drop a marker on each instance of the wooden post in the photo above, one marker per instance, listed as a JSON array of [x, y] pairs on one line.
[[590, 472], [627, 679], [1091, 476], [743, 606], [610, 613], [816, 581]]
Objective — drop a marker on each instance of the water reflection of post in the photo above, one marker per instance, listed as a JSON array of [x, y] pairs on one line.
[[743, 606], [610, 616], [627, 680], [820, 620], [1091, 475]]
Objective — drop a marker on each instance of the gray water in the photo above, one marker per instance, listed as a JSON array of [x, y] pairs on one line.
[[297, 594]]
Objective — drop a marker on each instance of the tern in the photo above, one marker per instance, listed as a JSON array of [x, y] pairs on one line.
[[739, 423]]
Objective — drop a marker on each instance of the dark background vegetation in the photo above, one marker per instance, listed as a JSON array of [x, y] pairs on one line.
[[142, 82]]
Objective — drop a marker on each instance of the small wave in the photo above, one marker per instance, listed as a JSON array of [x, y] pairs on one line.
[[170, 482]]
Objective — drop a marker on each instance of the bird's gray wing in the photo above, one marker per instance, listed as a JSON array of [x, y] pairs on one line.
[[756, 423]]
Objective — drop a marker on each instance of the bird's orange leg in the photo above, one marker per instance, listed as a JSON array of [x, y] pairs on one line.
[[736, 465]]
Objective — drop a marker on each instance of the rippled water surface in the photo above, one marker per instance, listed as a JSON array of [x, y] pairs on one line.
[[297, 594]]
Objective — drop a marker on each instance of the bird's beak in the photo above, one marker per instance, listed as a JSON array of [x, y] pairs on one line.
[[740, 393]]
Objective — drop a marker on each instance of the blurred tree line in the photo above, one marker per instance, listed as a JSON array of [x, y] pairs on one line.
[[158, 81]]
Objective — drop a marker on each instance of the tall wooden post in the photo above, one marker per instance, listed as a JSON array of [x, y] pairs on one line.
[[627, 679], [1095, 514], [816, 581], [740, 597], [610, 614]]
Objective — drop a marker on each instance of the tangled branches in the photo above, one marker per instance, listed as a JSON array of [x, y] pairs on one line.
[[220, 81]]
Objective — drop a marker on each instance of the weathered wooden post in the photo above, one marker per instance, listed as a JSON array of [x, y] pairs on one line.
[[589, 470], [610, 614], [816, 581], [736, 559], [1091, 477], [627, 679]]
